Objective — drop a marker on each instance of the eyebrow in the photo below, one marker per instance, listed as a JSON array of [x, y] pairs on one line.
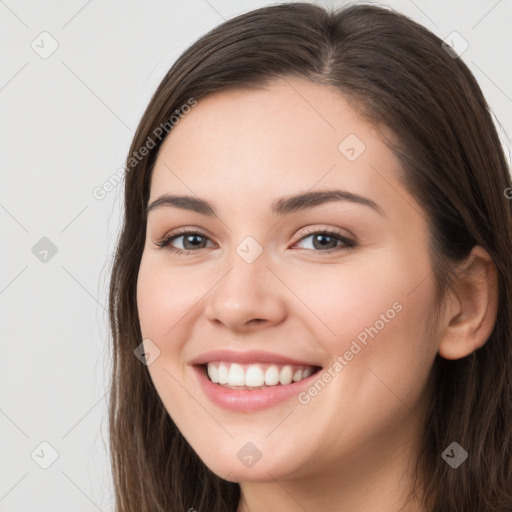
[[281, 206]]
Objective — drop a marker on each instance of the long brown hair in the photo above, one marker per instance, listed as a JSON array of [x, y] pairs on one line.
[[398, 76]]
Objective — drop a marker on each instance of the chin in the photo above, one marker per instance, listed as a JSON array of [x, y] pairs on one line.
[[261, 472]]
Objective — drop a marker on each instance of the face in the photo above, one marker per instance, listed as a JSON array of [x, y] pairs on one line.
[[332, 293]]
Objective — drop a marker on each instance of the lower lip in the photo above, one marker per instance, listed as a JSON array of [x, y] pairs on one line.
[[249, 400]]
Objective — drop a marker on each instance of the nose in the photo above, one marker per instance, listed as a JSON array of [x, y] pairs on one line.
[[248, 297]]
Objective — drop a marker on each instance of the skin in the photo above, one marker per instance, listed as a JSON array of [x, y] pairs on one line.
[[352, 447]]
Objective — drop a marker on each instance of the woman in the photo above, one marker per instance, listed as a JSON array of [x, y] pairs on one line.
[[310, 299]]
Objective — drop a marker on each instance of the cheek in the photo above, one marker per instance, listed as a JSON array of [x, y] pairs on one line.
[[344, 299], [382, 304], [164, 295], [378, 342], [165, 306], [151, 300]]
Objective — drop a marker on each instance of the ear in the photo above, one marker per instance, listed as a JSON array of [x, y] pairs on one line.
[[472, 307]]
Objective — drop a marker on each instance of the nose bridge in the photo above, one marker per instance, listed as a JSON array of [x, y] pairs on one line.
[[248, 289], [248, 271]]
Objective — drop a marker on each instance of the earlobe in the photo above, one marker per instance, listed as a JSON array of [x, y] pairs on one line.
[[472, 307]]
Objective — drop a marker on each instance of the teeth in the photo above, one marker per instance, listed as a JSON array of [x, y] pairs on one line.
[[286, 375], [213, 373], [255, 375], [236, 375], [272, 375], [297, 375], [223, 374]]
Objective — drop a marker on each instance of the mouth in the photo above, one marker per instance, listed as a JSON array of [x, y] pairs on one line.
[[253, 376], [252, 380]]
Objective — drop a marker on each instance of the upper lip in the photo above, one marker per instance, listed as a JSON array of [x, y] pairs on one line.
[[247, 356]]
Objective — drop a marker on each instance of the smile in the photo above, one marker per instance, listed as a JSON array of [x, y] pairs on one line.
[[246, 399], [256, 375]]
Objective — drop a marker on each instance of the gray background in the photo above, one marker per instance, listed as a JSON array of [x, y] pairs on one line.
[[66, 124]]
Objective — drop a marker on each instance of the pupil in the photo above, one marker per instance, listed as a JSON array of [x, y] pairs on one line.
[[188, 238], [324, 237]]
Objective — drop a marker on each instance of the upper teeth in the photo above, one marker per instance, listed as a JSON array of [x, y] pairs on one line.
[[256, 375]]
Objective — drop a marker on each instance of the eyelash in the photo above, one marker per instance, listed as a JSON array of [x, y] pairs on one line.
[[348, 243]]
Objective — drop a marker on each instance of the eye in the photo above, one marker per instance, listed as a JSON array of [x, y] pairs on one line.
[[323, 241], [191, 240], [326, 241]]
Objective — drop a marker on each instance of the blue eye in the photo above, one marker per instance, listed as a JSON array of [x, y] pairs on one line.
[[322, 242]]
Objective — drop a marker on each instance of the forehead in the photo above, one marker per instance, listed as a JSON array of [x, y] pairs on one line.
[[292, 115], [292, 136]]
